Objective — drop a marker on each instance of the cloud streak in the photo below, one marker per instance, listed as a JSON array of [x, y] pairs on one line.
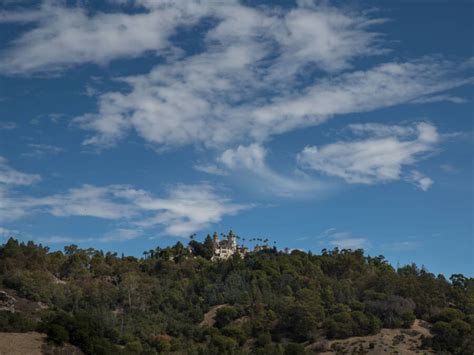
[[343, 240], [10, 176], [64, 36], [376, 159], [250, 165], [186, 209], [261, 71]]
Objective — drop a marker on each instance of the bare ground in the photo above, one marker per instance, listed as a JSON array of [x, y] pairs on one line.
[[209, 317], [32, 343], [21, 343], [387, 341]]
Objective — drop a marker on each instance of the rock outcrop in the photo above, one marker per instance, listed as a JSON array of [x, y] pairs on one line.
[[7, 302]]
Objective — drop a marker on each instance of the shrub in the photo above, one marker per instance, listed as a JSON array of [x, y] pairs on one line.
[[225, 315], [58, 334]]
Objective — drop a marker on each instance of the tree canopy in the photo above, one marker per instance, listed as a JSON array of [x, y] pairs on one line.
[[271, 301]]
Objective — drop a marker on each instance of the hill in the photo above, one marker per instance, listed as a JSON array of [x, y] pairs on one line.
[[176, 300]]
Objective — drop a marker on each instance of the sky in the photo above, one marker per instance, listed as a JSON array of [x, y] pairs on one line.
[[126, 125]]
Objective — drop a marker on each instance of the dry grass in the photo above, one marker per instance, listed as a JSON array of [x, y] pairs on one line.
[[387, 341], [21, 343], [209, 317], [32, 343]]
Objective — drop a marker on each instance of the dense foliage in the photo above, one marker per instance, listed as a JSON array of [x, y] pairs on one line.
[[271, 302]]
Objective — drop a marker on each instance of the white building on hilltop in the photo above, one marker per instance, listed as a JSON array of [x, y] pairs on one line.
[[224, 249]]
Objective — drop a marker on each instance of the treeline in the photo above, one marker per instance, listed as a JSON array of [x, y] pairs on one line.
[[275, 303]]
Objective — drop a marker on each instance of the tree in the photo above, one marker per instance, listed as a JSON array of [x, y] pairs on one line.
[[225, 315]]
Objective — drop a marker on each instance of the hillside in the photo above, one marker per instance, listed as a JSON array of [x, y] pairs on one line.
[[176, 300]]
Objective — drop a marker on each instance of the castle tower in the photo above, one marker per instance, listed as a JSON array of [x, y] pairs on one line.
[[232, 239], [215, 238]]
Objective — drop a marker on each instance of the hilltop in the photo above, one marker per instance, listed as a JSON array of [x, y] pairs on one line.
[[177, 300]]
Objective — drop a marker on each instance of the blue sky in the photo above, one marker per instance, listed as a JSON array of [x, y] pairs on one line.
[[130, 124]]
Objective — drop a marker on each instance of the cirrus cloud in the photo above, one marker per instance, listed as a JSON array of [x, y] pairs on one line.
[[375, 160], [184, 210]]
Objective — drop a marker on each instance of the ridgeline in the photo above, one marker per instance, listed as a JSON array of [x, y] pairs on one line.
[[176, 300]]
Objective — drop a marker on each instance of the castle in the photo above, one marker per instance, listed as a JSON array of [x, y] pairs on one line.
[[223, 249]]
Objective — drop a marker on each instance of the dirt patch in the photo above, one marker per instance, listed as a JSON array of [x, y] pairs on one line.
[[21, 343], [210, 317], [392, 341], [32, 343]]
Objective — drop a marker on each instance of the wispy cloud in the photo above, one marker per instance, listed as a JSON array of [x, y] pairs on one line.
[[62, 36], [440, 98], [227, 102], [243, 86], [116, 235], [6, 232], [10, 176], [9, 179], [186, 209], [405, 245], [7, 125], [248, 162], [449, 169], [342, 240], [210, 169], [375, 160], [40, 150]]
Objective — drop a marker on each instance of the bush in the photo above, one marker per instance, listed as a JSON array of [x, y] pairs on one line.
[[407, 319], [15, 322], [134, 347], [294, 349], [225, 315], [58, 334], [339, 325], [235, 332], [453, 336], [223, 343], [264, 339]]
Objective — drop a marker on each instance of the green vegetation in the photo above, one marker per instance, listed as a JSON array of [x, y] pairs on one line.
[[274, 302]]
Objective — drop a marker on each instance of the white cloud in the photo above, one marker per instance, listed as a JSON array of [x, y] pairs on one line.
[[10, 207], [374, 160], [381, 130], [210, 169], [251, 157], [244, 85], [87, 201], [211, 101], [343, 240], [382, 86], [349, 243], [39, 150], [186, 209], [248, 164], [64, 36], [5, 232], [116, 235], [440, 98], [10, 176], [419, 180]]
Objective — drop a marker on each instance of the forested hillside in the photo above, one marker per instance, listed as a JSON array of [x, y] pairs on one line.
[[269, 302]]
